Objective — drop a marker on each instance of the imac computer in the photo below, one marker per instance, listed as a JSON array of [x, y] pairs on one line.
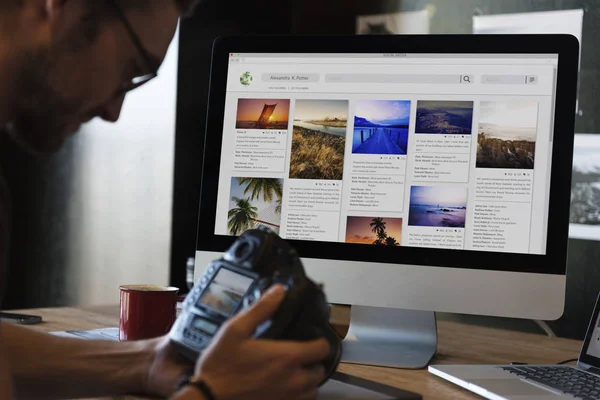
[[413, 174]]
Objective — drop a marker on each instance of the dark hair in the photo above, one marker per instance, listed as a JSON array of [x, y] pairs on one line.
[[185, 7]]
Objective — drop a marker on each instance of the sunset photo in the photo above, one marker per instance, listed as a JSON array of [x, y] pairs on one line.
[[374, 230], [263, 114]]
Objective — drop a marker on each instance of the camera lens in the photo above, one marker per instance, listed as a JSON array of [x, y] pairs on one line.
[[243, 250]]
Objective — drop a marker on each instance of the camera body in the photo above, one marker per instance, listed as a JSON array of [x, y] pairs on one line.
[[257, 260]]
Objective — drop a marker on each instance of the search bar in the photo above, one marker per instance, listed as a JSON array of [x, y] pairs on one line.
[[509, 79], [398, 78]]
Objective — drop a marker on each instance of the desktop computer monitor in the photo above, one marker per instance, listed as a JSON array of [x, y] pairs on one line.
[[413, 174]]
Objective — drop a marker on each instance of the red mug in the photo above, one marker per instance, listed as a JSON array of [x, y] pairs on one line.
[[147, 311]]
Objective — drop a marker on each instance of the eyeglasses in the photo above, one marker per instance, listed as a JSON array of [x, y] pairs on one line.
[[147, 58]]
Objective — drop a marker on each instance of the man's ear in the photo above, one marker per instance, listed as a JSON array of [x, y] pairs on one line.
[[62, 15], [54, 8]]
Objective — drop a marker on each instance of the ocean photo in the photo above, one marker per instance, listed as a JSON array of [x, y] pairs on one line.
[[381, 127], [507, 133], [444, 117], [438, 206]]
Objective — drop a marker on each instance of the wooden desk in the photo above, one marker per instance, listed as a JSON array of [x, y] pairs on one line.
[[457, 344]]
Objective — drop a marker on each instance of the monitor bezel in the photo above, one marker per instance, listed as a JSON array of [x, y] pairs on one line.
[[565, 46]]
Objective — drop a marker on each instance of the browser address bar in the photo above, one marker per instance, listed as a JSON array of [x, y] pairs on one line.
[[399, 78]]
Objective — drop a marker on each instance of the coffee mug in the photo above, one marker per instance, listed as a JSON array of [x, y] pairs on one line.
[[147, 311]]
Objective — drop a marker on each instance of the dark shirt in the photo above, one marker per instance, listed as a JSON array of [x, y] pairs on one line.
[[4, 230]]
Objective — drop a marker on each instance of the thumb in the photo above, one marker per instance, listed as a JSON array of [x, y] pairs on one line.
[[246, 322]]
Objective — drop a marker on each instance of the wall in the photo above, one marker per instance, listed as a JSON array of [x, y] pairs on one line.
[[97, 213], [121, 193], [339, 17], [583, 276]]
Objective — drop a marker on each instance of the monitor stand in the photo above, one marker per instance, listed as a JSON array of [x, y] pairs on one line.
[[390, 337]]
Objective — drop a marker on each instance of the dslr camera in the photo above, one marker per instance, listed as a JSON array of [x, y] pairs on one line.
[[257, 260]]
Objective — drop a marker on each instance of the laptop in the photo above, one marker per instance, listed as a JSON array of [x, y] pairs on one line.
[[534, 382]]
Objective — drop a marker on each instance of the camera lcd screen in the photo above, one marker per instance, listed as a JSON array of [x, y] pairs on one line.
[[226, 291], [204, 325]]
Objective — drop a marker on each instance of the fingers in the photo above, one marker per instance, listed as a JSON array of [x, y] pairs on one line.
[[294, 353], [311, 395], [314, 376], [246, 322], [308, 379], [312, 352]]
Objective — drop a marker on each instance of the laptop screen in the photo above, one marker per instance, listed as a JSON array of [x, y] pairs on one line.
[[594, 346], [447, 151], [590, 352]]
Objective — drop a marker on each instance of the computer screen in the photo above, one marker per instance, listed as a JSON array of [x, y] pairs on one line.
[[438, 151], [410, 172]]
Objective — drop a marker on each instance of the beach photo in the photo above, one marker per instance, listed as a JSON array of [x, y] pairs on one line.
[[507, 131], [254, 202], [585, 188], [271, 114], [444, 117], [226, 291], [381, 127], [374, 230], [319, 139], [444, 207]]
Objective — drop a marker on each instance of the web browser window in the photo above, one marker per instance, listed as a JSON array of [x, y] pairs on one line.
[[421, 150]]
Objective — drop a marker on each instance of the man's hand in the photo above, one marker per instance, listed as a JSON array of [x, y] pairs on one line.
[[167, 368], [236, 366]]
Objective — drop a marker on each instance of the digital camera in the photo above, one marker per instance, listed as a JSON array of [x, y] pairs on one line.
[[258, 259]]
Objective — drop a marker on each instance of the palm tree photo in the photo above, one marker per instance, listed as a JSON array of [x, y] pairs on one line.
[[390, 241], [240, 218], [266, 188], [378, 228], [379, 231], [254, 202]]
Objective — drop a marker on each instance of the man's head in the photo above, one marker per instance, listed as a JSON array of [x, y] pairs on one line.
[[77, 59]]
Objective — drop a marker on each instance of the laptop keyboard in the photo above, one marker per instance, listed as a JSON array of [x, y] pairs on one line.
[[563, 378]]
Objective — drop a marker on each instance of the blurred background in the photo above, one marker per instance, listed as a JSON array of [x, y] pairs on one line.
[[119, 203]]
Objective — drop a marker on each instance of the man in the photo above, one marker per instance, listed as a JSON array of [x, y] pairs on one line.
[[62, 63]]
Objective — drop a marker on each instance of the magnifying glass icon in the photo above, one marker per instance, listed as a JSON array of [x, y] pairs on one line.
[[466, 78]]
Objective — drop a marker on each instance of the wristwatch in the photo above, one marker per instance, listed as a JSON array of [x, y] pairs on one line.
[[198, 384]]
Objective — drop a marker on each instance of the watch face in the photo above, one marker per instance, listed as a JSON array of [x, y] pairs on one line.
[[226, 291]]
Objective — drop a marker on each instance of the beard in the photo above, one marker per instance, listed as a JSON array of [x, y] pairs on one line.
[[44, 117]]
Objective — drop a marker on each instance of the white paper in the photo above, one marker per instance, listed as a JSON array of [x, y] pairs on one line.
[[557, 22], [413, 22], [585, 188], [93, 334], [562, 21]]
